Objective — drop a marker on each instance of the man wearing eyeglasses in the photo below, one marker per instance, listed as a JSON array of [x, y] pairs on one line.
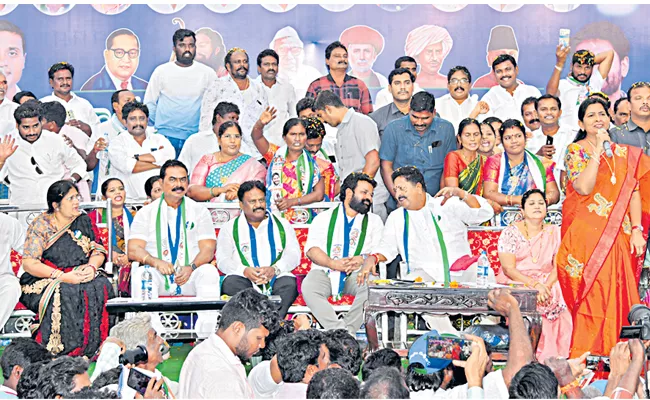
[[122, 56], [36, 158], [458, 104]]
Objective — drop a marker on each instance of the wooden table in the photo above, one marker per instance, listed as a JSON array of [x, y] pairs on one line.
[[417, 298]]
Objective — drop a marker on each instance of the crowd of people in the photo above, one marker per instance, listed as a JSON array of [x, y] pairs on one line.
[[419, 171]]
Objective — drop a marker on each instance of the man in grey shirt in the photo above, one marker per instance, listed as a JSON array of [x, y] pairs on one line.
[[400, 86], [636, 131], [357, 142]]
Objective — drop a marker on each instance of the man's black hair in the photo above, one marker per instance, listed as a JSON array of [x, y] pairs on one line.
[[251, 308], [503, 58], [267, 53], [58, 67], [29, 109], [534, 381], [28, 386], [24, 93], [400, 60], [548, 96], [248, 186], [53, 111], [56, 378], [327, 98], [618, 103], [298, 351], [378, 359], [222, 109], [400, 71], [181, 34], [457, 68], [344, 350], [170, 164], [283, 329], [411, 174], [333, 46], [304, 104], [333, 383], [527, 101], [115, 97], [22, 352], [132, 106], [423, 101], [385, 383], [351, 181], [418, 381]]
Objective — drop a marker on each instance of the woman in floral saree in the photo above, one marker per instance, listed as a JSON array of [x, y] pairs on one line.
[[62, 282]]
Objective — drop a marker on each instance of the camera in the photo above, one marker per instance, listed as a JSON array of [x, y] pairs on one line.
[[639, 317], [136, 356]]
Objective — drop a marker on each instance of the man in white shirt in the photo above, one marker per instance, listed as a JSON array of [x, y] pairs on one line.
[[429, 233], [337, 254], [505, 99], [53, 119], [174, 235], [258, 249], [458, 104], [552, 139], [34, 159], [13, 238], [281, 95], [206, 142], [80, 113], [214, 368], [581, 81], [7, 108], [239, 89], [176, 89], [384, 96], [139, 155]]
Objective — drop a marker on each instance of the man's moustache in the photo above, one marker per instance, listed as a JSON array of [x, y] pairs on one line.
[[534, 121], [179, 188], [258, 209]]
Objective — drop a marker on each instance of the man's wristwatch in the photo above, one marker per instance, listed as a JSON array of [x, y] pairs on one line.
[[276, 270], [193, 266], [74, 180], [137, 157]]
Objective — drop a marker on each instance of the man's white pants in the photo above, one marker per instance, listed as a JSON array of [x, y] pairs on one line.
[[9, 296], [204, 283]]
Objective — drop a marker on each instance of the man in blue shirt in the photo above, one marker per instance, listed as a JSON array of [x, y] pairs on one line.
[[420, 139]]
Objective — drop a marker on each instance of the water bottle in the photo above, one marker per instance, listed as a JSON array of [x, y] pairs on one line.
[[482, 270], [103, 155], [147, 284]]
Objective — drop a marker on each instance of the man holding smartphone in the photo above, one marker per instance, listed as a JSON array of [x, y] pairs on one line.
[[581, 81]]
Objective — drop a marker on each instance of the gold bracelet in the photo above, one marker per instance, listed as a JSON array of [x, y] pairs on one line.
[[144, 260]]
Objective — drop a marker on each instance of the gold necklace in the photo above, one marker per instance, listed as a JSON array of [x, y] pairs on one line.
[[465, 158], [611, 169], [541, 241]]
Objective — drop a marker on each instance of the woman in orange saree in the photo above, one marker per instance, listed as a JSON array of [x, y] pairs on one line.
[[604, 217]]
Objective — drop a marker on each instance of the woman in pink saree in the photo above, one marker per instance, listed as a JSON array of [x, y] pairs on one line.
[[216, 177], [527, 252]]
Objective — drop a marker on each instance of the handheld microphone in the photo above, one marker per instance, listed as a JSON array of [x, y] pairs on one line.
[[608, 149]]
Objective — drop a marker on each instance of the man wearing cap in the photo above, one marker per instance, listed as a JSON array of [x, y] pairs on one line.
[[429, 45], [290, 49], [236, 88], [364, 44], [506, 99], [581, 81], [502, 41]]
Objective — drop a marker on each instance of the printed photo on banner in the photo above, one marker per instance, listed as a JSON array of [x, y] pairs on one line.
[[211, 50], [429, 45], [502, 41], [12, 55]]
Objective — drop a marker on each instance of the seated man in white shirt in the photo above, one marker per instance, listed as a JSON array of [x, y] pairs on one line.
[[80, 113], [138, 155], [136, 331], [258, 249], [429, 233], [505, 99], [339, 241], [12, 233], [36, 158], [175, 236], [53, 120], [205, 142], [458, 104], [214, 369]]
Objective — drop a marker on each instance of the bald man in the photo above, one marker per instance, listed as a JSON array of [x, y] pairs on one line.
[[429, 45]]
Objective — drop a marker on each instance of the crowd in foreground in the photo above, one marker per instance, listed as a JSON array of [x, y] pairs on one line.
[[298, 362], [410, 179]]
